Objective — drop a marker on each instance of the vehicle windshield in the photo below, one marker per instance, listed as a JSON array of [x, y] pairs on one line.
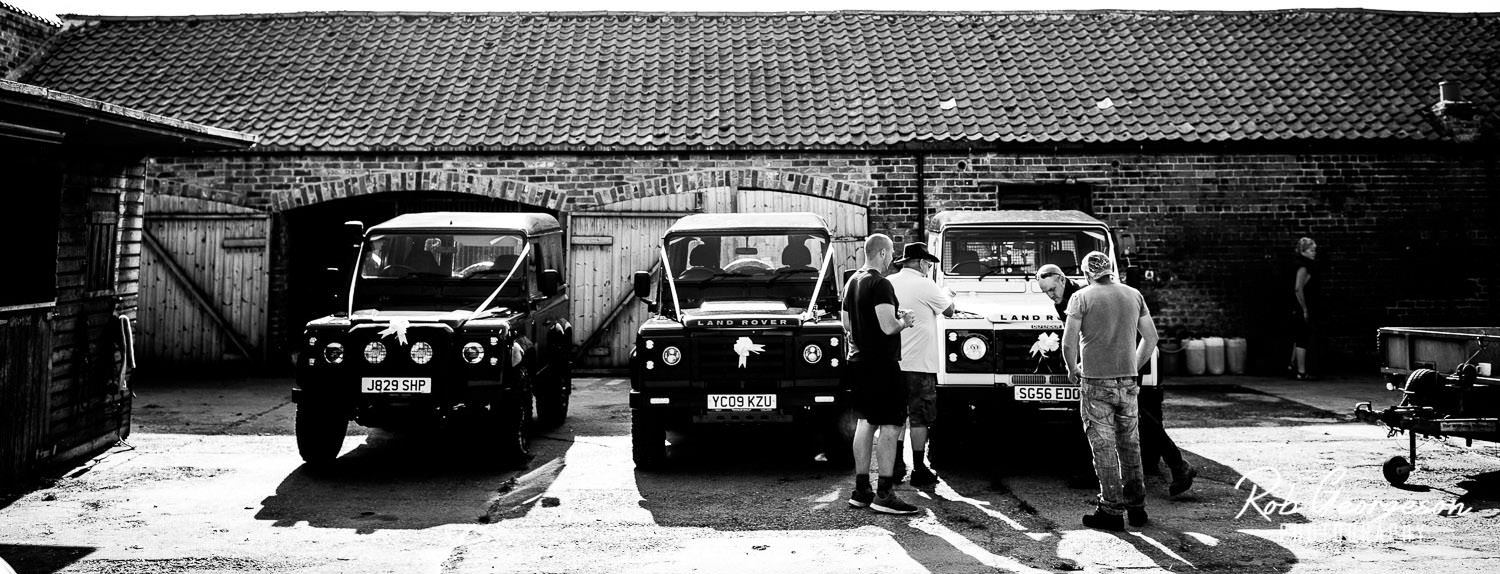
[[437, 271], [779, 267], [1017, 252]]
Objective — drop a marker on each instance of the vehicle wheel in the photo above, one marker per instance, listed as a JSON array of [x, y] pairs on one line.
[[946, 438], [648, 440], [838, 437], [509, 421], [320, 434], [553, 398], [1396, 470]]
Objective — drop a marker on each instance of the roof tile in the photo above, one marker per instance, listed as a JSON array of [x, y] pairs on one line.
[[350, 81]]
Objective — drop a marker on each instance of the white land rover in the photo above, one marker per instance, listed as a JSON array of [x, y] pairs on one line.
[[1002, 348]]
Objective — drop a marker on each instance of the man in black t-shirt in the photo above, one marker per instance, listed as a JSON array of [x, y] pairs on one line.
[[874, 326]]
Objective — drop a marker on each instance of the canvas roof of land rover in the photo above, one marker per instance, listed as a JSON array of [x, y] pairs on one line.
[[529, 223], [767, 222]]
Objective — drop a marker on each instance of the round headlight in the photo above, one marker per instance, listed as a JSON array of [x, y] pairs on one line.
[[334, 353], [650, 365], [812, 354], [375, 352], [975, 348], [833, 341], [833, 362], [421, 352], [650, 344], [671, 356], [473, 353]]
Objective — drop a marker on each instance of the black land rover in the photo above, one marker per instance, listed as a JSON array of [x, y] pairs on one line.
[[745, 328], [451, 320]]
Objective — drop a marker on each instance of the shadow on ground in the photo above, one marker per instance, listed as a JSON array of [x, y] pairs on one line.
[[1003, 507], [414, 481]]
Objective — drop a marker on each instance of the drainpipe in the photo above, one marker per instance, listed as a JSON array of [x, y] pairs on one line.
[[921, 198]]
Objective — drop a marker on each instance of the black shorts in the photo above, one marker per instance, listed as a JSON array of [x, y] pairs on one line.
[[879, 391]]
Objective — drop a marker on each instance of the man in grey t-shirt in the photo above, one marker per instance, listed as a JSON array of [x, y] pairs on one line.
[[1107, 337]]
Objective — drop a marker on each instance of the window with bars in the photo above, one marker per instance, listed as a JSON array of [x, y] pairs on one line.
[[99, 261]]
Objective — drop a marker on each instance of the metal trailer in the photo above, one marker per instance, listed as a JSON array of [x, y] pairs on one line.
[[1448, 387]]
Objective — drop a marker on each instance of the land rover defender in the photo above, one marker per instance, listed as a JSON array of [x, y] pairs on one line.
[[451, 320]]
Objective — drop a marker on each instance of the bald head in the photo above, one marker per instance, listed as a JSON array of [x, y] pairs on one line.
[[1052, 281], [878, 251]]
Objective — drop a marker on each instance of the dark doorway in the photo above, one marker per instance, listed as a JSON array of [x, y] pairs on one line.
[[312, 240], [1042, 196]]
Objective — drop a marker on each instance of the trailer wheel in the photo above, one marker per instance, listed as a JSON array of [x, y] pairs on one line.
[[1396, 470]]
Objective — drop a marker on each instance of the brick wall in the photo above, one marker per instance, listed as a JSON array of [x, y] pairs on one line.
[[1213, 228], [21, 37]]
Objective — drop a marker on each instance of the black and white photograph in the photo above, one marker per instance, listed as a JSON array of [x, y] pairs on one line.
[[825, 287]]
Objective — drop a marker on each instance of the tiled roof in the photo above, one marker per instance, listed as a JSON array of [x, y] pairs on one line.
[[382, 81]]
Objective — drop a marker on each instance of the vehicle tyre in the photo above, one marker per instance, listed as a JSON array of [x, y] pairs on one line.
[[553, 398], [648, 440], [1396, 470], [947, 437], [509, 421], [320, 434], [835, 430]]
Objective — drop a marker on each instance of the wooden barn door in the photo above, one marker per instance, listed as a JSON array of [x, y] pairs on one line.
[[609, 245], [204, 283], [607, 248]]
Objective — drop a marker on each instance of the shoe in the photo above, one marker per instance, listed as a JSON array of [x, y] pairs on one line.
[[1136, 516], [1303, 377], [861, 498], [1104, 521], [891, 504], [898, 472], [1182, 481], [923, 477]]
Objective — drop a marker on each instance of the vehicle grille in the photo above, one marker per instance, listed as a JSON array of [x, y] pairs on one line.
[[718, 362], [1016, 352]]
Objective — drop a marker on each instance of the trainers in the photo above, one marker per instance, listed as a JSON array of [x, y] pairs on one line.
[[1182, 481], [1136, 516], [1104, 521], [923, 477], [861, 498], [891, 504]]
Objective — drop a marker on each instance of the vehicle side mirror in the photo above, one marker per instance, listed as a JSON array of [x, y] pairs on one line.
[[550, 282], [338, 285], [642, 283], [354, 231]]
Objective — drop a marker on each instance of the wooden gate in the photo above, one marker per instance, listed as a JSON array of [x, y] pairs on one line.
[[608, 245], [204, 283]]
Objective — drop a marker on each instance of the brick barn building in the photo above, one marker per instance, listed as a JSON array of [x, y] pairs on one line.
[[1211, 140]]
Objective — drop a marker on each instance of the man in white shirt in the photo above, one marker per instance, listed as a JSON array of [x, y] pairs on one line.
[[920, 297]]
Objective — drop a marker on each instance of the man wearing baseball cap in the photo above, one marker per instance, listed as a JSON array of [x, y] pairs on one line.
[[1108, 336], [919, 353]]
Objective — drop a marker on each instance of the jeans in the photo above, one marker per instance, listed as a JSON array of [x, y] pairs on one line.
[[1110, 415]]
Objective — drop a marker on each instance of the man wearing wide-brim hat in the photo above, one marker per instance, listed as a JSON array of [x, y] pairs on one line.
[[920, 297]]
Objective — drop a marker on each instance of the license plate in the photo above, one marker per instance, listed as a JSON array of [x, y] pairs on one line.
[[1466, 426], [742, 402], [1048, 393], [384, 385]]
